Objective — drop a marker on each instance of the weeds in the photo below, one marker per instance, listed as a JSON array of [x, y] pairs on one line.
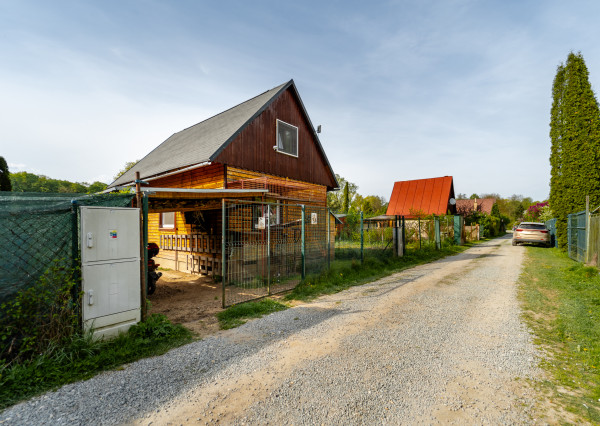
[[238, 314], [44, 315], [81, 357], [347, 273]]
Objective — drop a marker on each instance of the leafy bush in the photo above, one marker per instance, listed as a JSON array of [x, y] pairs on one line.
[[43, 315], [80, 357]]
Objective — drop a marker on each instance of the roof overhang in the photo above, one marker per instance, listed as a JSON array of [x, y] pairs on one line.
[[202, 193]]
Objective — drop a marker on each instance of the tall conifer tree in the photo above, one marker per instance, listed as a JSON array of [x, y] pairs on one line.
[[575, 136]]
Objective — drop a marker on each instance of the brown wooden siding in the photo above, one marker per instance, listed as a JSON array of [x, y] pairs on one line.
[[211, 176], [253, 147], [291, 189]]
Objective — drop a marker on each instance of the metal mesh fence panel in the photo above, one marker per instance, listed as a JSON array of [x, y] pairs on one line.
[[38, 231], [594, 240], [268, 247], [551, 225], [576, 231]]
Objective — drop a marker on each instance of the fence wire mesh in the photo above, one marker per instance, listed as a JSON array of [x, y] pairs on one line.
[[269, 247], [576, 235], [38, 231], [594, 240]]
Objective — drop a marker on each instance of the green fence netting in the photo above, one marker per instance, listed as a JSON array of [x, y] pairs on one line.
[[38, 230]]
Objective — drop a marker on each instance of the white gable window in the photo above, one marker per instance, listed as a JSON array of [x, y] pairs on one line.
[[167, 220], [287, 138]]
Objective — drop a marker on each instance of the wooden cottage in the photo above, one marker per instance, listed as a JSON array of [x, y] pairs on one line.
[[265, 149]]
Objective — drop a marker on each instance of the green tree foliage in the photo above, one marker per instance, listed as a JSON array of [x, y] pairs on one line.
[[128, 165], [5, 184], [575, 143], [30, 182], [96, 187], [335, 199]]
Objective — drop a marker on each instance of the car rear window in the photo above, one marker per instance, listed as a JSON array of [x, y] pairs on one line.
[[531, 226]]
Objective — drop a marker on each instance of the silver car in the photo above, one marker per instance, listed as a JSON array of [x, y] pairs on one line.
[[531, 232]]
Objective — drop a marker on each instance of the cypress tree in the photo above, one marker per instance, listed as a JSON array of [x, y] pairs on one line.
[[575, 136], [5, 184], [556, 131], [346, 201]]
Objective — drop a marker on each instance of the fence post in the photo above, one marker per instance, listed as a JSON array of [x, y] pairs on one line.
[[269, 249], [587, 229], [223, 251], [328, 239], [362, 239], [74, 256], [457, 230], [303, 244], [569, 234], [438, 236]]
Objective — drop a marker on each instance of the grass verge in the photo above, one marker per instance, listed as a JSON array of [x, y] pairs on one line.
[[561, 300], [237, 315], [81, 358], [347, 273]]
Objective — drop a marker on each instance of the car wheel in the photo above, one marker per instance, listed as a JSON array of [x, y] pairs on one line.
[[514, 243]]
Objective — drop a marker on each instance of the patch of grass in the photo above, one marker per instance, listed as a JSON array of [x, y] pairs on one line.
[[561, 300], [344, 274], [81, 357], [237, 315]]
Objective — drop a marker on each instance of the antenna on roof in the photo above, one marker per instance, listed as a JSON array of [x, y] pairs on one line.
[[319, 128]]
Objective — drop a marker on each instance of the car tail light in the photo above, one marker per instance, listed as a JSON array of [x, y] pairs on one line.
[[544, 232], [519, 230]]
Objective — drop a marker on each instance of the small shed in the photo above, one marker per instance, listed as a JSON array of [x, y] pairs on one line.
[[422, 197]]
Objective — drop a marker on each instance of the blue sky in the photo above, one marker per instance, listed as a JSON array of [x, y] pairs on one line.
[[402, 89]]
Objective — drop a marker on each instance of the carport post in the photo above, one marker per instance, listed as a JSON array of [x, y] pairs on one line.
[[223, 254], [143, 289], [145, 224]]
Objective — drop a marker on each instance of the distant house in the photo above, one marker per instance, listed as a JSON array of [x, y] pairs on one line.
[[264, 149], [480, 205], [422, 197]]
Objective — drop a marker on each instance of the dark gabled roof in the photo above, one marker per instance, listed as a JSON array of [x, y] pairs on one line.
[[422, 196], [203, 142]]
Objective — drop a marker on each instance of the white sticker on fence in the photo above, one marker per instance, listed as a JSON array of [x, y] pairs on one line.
[[261, 223], [313, 218]]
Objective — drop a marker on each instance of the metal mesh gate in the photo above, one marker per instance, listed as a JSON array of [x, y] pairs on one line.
[[269, 247]]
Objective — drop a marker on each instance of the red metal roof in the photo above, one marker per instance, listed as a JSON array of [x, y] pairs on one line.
[[422, 196]]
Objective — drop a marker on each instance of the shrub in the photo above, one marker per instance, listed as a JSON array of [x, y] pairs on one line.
[[43, 315]]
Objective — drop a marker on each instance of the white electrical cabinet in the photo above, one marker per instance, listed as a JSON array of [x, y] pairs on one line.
[[110, 269]]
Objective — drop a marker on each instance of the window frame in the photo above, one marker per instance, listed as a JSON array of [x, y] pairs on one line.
[[162, 225], [279, 150]]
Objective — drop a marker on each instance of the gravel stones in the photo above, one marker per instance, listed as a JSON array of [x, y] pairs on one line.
[[441, 342]]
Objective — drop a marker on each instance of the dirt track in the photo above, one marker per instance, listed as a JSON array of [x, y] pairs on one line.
[[442, 342]]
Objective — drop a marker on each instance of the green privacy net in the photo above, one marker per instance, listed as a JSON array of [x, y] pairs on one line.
[[37, 231]]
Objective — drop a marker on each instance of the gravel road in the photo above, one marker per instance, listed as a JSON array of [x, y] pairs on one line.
[[438, 343]]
